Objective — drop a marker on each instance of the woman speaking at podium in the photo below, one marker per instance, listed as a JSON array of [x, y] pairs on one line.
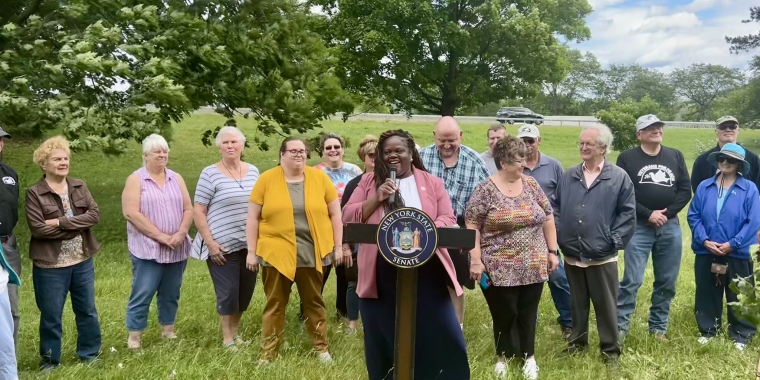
[[440, 351]]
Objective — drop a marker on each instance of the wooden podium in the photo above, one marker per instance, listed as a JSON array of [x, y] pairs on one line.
[[407, 238]]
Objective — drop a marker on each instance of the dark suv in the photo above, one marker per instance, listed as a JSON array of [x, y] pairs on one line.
[[512, 114]]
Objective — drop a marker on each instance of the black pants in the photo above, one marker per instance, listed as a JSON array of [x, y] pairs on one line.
[[598, 284], [514, 310], [708, 302]]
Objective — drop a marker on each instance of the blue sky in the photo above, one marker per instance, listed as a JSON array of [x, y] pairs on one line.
[[668, 34]]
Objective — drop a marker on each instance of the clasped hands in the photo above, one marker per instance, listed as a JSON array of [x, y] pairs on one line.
[[718, 249], [658, 218]]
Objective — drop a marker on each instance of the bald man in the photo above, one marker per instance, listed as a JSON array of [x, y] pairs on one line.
[[461, 169]]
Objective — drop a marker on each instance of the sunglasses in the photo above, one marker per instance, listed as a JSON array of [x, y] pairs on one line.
[[730, 127], [728, 160], [529, 141], [331, 147]]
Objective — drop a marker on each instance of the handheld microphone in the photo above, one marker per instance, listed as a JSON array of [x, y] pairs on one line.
[[392, 197]]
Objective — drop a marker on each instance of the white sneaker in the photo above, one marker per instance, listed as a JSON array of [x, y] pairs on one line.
[[530, 369], [500, 370], [703, 340], [325, 358], [739, 346]]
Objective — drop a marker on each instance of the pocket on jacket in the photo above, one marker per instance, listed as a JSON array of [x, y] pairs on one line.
[[81, 205], [603, 242], [51, 212]]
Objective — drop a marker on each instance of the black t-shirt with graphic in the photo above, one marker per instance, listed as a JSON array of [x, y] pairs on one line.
[[660, 181], [8, 199]]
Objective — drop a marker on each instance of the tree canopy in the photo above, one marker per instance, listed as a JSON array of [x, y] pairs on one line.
[[438, 56], [110, 71]]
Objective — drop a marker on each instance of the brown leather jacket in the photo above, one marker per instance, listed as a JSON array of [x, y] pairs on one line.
[[44, 204]]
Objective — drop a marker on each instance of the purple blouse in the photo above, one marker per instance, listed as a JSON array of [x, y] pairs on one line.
[[162, 207]]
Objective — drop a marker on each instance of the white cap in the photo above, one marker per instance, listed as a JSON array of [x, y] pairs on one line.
[[647, 121], [528, 130]]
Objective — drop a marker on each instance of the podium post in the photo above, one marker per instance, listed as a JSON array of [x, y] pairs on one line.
[[407, 238]]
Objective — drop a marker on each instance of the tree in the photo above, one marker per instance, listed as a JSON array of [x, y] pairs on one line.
[[621, 82], [621, 118], [439, 56], [742, 103], [110, 71], [574, 83], [747, 42], [702, 84]]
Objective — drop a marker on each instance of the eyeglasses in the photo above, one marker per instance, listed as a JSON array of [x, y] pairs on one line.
[[529, 141], [331, 147], [729, 126], [296, 152], [728, 160], [588, 144], [652, 128]]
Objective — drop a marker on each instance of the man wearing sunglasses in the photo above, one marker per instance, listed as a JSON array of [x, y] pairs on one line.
[[547, 171], [661, 186], [727, 131]]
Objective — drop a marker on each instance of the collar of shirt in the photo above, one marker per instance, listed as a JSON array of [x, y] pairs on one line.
[[542, 161], [597, 168]]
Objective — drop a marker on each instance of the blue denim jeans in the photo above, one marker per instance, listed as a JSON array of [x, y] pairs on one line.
[[7, 349], [665, 244], [51, 287], [149, 278], [560, 290]]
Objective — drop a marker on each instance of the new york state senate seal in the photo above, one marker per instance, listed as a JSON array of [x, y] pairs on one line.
[[407, 237]]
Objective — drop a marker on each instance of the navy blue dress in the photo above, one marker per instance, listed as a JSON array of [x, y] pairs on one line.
[[440, 351]]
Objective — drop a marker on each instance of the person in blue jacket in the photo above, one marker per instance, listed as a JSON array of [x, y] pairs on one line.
[[7, 348], [724, 217]]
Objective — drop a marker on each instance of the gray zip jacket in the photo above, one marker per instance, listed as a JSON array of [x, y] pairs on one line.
[[597, 220]]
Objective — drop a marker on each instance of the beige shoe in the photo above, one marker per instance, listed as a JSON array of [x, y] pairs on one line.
[[168, 332], [133, 341]]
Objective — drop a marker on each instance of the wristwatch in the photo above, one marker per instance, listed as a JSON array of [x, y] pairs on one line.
[[554, 251]]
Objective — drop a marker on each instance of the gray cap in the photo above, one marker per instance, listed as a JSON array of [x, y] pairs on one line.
[[647, 121]]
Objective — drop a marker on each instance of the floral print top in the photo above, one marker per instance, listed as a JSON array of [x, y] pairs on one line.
[[72, 250], [512, 244]]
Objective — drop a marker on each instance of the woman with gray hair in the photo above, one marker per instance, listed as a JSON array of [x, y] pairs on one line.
[[158, 210], [221, 208]]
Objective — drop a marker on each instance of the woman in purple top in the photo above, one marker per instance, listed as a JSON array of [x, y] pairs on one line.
[[158, 210]]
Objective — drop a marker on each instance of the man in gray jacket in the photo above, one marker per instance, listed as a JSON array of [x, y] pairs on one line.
[[595, 212]]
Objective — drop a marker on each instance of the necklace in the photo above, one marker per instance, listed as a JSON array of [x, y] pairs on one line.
[[509, 183], [240, 174]]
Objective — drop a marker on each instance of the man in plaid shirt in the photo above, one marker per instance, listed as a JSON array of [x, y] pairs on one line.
[[461, 169]]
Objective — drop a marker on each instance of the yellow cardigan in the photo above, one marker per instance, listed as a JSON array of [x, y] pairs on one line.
[[277, 231]]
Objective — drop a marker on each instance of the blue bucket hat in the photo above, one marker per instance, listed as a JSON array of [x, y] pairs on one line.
[[731, 150]]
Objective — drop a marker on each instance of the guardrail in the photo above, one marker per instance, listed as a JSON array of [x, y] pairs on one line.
[[561, 121]]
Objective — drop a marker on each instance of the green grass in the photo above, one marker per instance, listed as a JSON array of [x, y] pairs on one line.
[[197, 354]]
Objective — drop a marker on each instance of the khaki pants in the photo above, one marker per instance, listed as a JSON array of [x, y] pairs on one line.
[[277, 290]]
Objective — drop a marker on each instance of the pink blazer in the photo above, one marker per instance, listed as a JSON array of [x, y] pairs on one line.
[[435, 202]]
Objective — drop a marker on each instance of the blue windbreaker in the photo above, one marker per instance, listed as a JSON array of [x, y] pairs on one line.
[[739, 218]]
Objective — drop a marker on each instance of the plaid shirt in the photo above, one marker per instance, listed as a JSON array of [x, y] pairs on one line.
[[461, 179]]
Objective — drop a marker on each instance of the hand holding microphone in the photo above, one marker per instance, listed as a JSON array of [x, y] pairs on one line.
[[388, 189]]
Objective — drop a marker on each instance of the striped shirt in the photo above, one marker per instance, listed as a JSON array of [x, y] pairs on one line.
[[227, 206], [461, 179], [162, 207]]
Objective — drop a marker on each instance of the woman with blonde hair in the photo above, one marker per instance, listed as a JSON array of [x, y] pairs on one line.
[[60, 212], [221, 207], [367, 152], [294, 231], [158, 210]]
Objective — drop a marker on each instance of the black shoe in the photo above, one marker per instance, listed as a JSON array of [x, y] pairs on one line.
[[574, 349], [610, 359], [566, 332]]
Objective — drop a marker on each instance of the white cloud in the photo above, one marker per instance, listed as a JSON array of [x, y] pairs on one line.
[[665, 37], [601, 4]]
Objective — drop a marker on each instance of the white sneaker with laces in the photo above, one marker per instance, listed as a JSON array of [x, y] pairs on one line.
[[703, 340], [530, 369], [739, 346], [500, 370], [325, 358]]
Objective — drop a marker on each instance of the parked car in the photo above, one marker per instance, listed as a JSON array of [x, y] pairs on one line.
[[520, 114]]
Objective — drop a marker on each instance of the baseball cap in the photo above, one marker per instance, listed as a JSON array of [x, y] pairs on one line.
[[726, 119], [4, 134], [647, 121], [528, 130]]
